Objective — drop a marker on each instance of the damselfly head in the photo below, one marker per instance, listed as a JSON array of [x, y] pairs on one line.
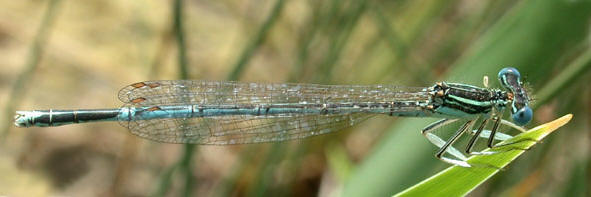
[[510, 79]]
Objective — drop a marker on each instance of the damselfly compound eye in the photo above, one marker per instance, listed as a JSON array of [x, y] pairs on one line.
[[522, 116]]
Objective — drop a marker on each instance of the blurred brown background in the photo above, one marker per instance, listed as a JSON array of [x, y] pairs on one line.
[[64, 54]]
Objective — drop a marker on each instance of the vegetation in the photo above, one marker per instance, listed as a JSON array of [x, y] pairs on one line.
[[80, 53]]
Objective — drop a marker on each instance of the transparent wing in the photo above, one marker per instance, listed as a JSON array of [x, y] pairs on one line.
[[151, 93], [241, 129]]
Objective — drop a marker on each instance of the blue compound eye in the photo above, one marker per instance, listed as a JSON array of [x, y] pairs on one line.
[[523, 116], [510, 78], [509, 71]]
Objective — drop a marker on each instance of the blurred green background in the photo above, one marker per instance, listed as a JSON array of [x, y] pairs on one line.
[[65, 54]]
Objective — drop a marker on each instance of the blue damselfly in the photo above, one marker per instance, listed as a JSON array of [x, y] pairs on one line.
[[221, 113]]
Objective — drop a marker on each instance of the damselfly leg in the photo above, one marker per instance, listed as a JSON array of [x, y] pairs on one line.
[[496, 135], [446, 146], [467, 126], [476, 135], [491, 135], [437, 141]]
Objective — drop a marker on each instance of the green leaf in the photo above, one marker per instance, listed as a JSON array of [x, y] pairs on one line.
[[458, 181]]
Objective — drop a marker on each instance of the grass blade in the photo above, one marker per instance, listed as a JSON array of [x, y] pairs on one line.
[[458, 181]]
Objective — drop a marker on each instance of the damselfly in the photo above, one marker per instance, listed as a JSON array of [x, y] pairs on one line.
[[221, 113]]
